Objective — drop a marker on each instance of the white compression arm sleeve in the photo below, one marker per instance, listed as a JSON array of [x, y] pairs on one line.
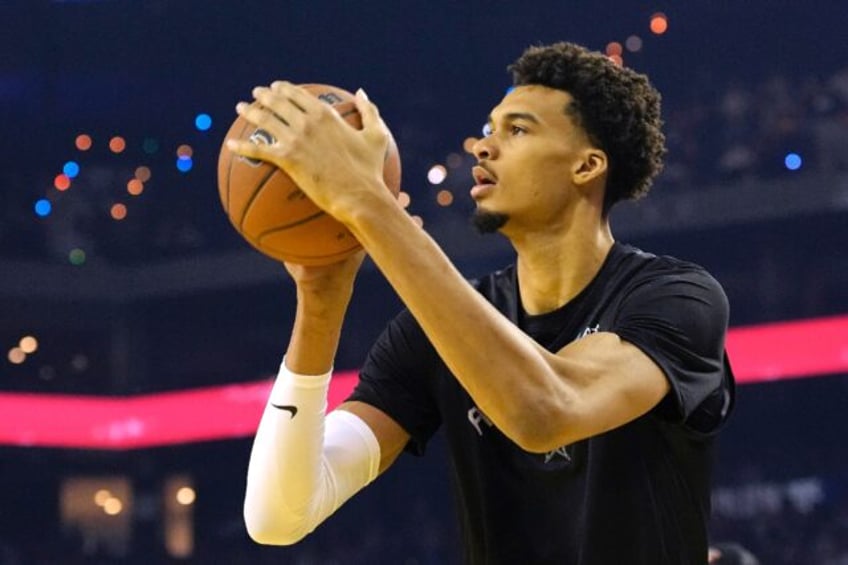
[[304, 465]]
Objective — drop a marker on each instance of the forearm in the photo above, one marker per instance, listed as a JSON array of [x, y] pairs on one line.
[[315, 333], [501, 367], [303, 466]]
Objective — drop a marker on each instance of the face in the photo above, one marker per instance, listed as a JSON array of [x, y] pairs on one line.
[[527, 160]]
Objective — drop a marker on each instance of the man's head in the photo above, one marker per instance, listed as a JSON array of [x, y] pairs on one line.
[[617, 108]]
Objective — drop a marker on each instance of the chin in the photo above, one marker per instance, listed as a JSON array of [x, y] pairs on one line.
[[486, 221]]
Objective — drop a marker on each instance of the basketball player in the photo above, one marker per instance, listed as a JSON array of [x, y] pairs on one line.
[[580, 390]]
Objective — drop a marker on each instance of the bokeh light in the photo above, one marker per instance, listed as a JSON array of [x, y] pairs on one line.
[[150, 146], [617, 60], [101, 496], [633, 43], [184, 164], [186, 496], [403, 199], [454, 160], [203, 122], [16, 356], [117, 144], [418, 221], [118, 211], [659, 23], [185, 150], [62, 182], [437, 174], [793, 161], [143, 173], [83, 142], [79, 363], [614, 48], [71, 169], [444, 198], [76, 256], [135, 187], [113, 506], [468, 144], [43, 208], [28, 344]]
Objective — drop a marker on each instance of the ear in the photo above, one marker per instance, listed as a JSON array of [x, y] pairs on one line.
[[591, 165]]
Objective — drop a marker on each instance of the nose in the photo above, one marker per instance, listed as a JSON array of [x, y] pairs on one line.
[[484, 148]]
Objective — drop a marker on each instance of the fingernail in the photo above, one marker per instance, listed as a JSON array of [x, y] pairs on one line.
[[361, 93]]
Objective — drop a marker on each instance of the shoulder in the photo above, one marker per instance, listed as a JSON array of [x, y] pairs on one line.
[[648, 272]]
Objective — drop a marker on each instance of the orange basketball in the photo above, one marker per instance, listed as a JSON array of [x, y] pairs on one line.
[[268, 209]]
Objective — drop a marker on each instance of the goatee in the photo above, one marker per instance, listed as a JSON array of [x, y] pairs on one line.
[[488, 222]]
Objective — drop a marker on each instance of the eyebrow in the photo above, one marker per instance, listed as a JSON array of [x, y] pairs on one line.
[[512, 116]]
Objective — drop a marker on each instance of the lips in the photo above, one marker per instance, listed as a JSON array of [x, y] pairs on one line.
[[482, 175], [484, 182]]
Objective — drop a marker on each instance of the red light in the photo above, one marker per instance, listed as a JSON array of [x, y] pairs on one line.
[[62, 182]]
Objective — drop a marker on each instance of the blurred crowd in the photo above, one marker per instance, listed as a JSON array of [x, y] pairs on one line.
[[717, 134]]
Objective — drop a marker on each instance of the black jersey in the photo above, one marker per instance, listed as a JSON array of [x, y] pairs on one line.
[[638, 494]]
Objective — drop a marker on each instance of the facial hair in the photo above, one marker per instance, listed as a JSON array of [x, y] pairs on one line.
[[488, 222]]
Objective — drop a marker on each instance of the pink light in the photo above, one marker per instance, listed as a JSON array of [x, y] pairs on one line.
[[768, 352], [222, 412], [786, 350]]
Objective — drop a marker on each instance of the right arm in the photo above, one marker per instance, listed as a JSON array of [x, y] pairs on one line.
[[304, 466]]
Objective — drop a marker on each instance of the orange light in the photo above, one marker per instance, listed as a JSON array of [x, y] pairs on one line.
[[184, 151], [117, 144], [83, 142], [468, 144], [614, 48], [143, 173], [62, 182], [135, 187], [617, 60], [418, 221], [659, 23], [403, 199], [444, 198], [16, 356], [118, 211]]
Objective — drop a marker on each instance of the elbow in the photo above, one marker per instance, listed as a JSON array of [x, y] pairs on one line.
[[272, 529], [545, 430]]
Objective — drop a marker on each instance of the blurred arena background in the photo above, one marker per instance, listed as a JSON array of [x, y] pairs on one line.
[[139, 332]]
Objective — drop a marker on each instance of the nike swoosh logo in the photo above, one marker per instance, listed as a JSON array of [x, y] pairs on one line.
[[287, 408]]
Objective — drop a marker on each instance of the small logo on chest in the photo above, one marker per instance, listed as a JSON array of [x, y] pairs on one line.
[[477, 418]]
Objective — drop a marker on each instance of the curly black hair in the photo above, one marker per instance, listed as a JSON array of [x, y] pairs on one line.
[[617, 107]]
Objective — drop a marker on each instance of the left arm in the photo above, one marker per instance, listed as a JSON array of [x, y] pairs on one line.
[[538, 399]]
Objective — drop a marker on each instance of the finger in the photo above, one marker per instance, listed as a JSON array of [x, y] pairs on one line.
[[371, 120], [280, 106], [248, 149], [297, 96], [264, 119]]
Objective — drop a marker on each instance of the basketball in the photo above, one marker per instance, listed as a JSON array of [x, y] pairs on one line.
[[268, 209]]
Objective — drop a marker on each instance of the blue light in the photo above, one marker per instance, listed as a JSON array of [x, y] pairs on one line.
[[203, 122], [43, 207], [184, 164], [793, 161], [71, 169], [509, 89]]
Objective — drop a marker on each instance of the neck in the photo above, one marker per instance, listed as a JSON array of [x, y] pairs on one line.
[[556, 265]]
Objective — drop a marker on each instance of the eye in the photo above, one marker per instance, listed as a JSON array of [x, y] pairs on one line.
[[517, 130], [487, 130]]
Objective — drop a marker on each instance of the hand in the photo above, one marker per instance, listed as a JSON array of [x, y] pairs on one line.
[[338, 167], [329, 283]]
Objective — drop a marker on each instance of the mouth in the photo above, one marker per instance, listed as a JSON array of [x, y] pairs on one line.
[[484, 182]]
